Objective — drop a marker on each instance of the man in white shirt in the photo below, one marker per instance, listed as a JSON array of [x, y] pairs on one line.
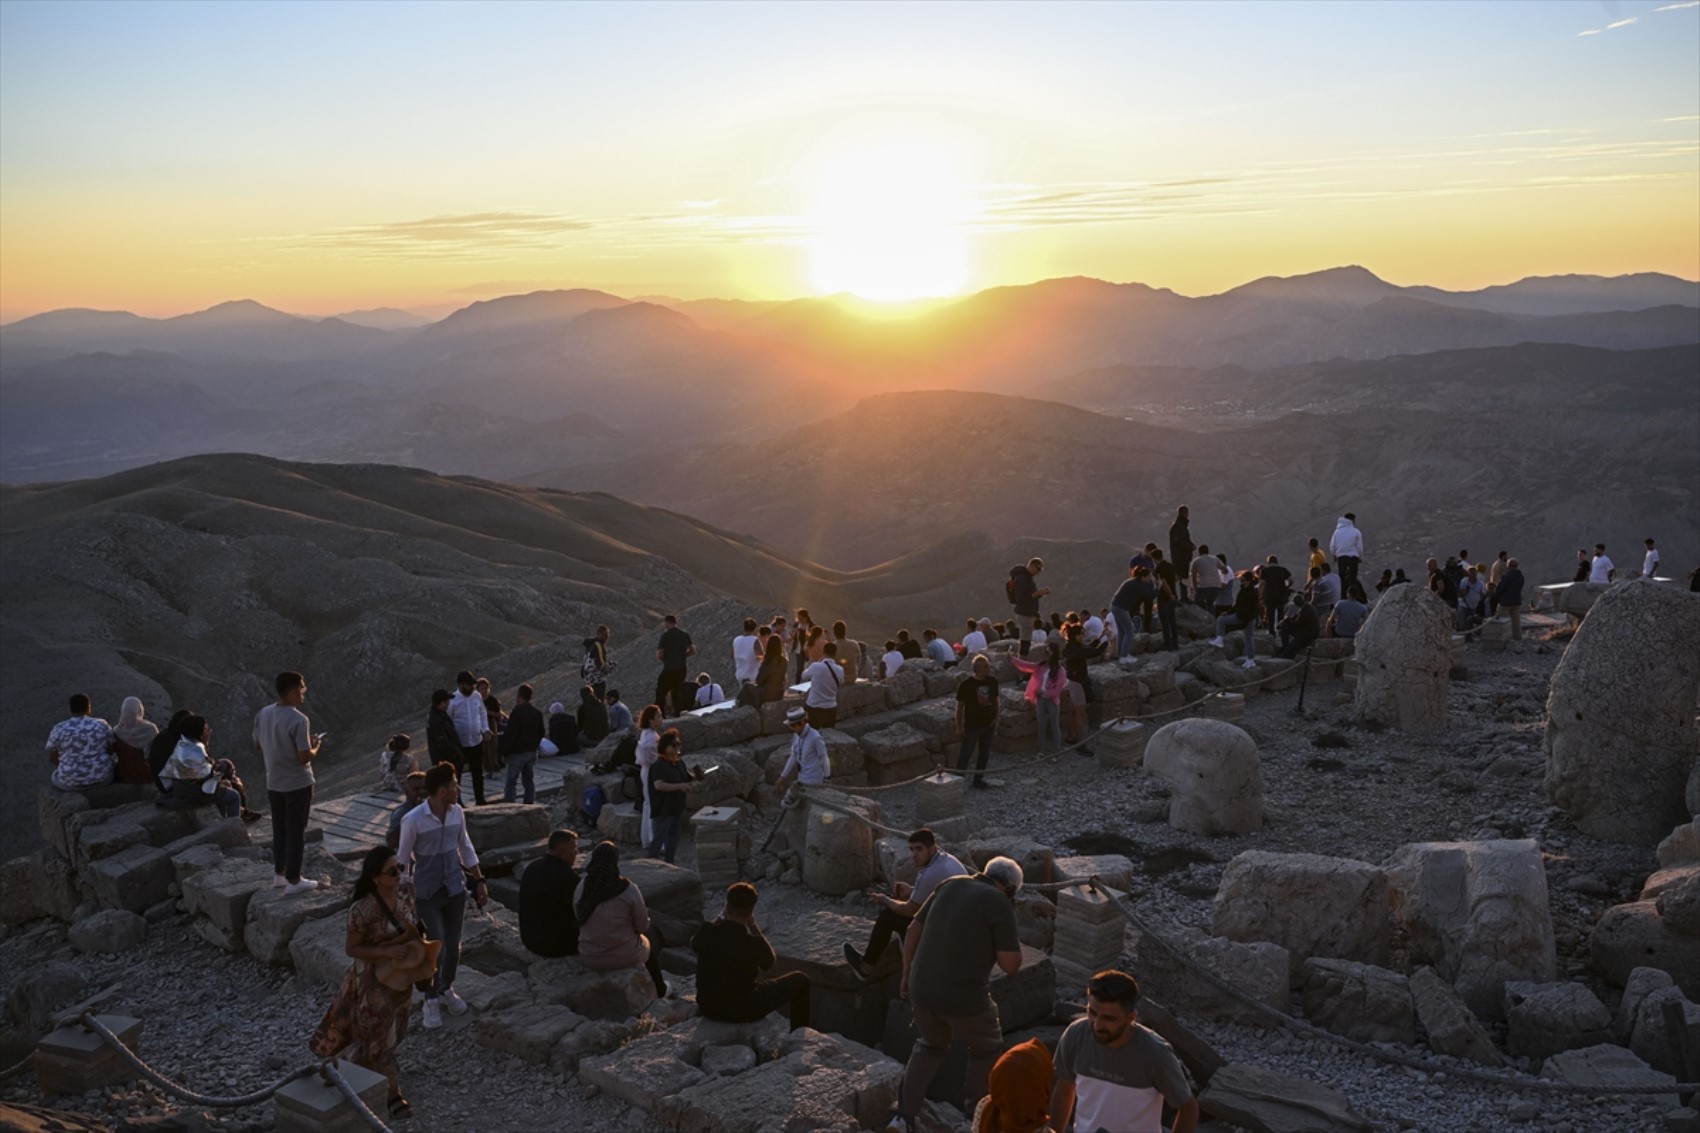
[[1650, 564], [708, 692], [825, 678], [439, 857], [891, 660], [938, 648], [1206, 574], [1092, 629], [472, 727], [974, 641], [1601, 569], [746, 657], [1347, 547]]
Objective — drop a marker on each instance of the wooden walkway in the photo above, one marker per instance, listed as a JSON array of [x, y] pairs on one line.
[[355, 823]]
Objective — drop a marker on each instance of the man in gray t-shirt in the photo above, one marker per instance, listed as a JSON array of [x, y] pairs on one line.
[[282, 737], [966, 926], [1112, 1075]]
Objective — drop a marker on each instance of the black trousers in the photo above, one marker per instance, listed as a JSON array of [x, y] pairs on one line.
[[473, 757], [790, 991], [1348, 565], [672, 682], [887, 925], [1166, 615], [289, 830]]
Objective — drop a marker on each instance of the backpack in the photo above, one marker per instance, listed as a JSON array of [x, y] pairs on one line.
[[591, 802], [1009, 583]]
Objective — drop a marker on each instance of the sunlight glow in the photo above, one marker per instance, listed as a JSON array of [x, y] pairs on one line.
[[889, 223]]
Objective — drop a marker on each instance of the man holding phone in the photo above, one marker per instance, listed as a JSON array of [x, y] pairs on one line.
[[281, 735], [932, 865]]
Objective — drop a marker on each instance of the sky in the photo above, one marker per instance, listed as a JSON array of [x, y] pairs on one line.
[[323, 157]]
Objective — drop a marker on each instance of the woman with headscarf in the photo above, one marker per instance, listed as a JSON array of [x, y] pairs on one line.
[[612, 919], [133, 735], [1018, 1093], [563, 729], [368, 1014]]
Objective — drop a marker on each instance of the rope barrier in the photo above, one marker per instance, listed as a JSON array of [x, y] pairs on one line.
[[326, 1069], [11, 1072]]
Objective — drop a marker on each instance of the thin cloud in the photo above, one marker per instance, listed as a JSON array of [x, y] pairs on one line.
[[453, 236], [1590, 31], [1623, 23], [1679, 7]]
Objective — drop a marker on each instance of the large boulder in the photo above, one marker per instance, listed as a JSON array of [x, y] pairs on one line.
[[1212, 770], [838, 847], [1543, 1019], [114, 930], [506, 824], [1476, 911], [1308, 904], [1650, 1037], [1620, 740], [1607, 1067], [1641, 983], [1404, 653], [1681, 845], [624, 993], [1360, 1001], [1260, 969], [1635, 936], [1678, 901]]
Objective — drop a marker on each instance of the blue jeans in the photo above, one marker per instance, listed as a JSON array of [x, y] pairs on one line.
[[665, 843], [444, 913], [520, 767], [1124, 631], [1227, 622]]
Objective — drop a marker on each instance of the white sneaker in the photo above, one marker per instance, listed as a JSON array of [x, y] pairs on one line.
[[1248, 663], [433, 1014], [279, 881], [1216, 641], [305, 885], [457, 1005]]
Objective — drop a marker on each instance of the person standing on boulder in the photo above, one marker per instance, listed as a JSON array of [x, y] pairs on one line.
[[1024, 590], [595, 667], [1275, 584], [1113, 1075], [80, 747], [746, 654], [1168, 593], [1206, 576], [282, 737], [965, 927], [1347, 547], [674, 651], [1650, 562], [521, 739], [1600, 569], [1180, 548]]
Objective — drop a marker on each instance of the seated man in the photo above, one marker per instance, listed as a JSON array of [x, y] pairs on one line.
[[707, 691], [1299, 630], [932, 865], [547, 924], [81, 748], [730, 951]]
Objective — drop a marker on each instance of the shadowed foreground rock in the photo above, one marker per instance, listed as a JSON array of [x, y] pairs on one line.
[[1620, 740]]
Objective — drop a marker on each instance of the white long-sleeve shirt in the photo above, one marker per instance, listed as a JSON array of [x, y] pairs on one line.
[[435, 850], [1347, 540], [470, 718]]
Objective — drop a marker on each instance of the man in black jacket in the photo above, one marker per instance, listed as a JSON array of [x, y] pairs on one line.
[[547, 924], [1300, 630], [1180, 549], [1275, 583], [730, 951], [520, 741], [442, 742]]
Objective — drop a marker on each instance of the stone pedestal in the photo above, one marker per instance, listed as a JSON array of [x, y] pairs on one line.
[[1229, 706], [838, 850], [938, 796], [1091, 934], [1495, 633], [312, 1105], [1123, 744], [716, 831], [74, 1059], [839, 1000], [621, 822]]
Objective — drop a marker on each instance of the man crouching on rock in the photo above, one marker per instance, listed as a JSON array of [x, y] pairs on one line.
[[966, 926]]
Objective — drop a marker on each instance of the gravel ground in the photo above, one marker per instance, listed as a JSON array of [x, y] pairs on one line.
[[224, 1022]]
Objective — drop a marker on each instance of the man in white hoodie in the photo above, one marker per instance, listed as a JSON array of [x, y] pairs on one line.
[[1347, 547]]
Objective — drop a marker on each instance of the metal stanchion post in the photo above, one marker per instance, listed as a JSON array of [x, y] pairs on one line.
[[1304, 679]]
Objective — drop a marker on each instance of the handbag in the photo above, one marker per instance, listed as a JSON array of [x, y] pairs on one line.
[[419, 966], [548, 748]]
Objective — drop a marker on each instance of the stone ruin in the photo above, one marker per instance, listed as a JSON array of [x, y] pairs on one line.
[[1404, 654]]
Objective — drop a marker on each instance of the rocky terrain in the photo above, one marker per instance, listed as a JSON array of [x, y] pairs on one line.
[[1341, 800]]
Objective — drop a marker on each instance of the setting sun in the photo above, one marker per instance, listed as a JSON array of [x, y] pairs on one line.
[[889, 225]]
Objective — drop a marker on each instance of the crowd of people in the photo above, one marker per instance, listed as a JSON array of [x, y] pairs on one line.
[[942, 935]]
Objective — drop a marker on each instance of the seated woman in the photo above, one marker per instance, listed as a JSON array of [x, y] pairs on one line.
[[369, 1014], [592, 718], [563, 729], [612, 919], [132, 736], [192, 778], [771, 676], [162, 745]]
